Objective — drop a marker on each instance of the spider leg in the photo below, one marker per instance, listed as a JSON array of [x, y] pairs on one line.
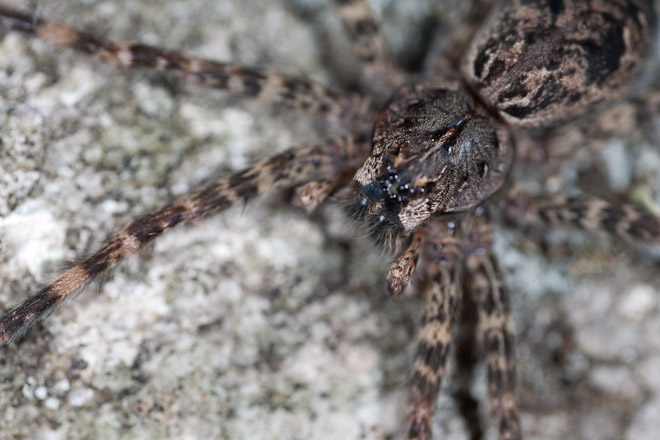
[[286, 169], [369, 45], [485, 281], [310, 195], [586, 136], [632, 223], [444, 264], [270, 87], [399, 274], [453, 34], [467, 357]]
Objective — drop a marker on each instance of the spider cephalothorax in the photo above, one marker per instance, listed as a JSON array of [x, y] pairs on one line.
[[434, 151]]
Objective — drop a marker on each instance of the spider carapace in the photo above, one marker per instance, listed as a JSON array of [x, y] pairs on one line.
[[432, 174]]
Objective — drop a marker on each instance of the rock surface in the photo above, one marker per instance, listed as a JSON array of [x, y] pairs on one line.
[[262, 323]]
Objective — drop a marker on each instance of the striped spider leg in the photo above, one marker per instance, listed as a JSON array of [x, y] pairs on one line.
[[442, 295], [320, 169], [269, 87], [461, 271], [280, 171], [485, 284], [633, 224]]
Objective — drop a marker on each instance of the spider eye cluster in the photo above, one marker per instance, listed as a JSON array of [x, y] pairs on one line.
[[398, 188]]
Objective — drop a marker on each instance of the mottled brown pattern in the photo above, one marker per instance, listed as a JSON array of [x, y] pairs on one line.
[[312, 194], [429, 176], [400, 272], [537, 62], [434, 151]]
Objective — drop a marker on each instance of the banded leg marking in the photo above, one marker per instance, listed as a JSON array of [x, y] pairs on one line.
[[485, 281], [401, 271], [310, 195], [282, 170], [267, 86], [378, 73], [435, 336], [632, 223]]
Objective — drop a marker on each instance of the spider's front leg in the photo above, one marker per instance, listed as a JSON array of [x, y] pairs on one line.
[[444, 261], [291, 168], [267, 86]]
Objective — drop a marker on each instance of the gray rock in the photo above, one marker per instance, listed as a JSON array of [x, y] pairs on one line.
[[260, 323]]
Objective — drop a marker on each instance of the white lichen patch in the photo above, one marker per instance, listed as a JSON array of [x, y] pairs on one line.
[[639, 302], [33, 236]]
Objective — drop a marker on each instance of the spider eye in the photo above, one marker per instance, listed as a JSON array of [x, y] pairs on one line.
[[372, 191]]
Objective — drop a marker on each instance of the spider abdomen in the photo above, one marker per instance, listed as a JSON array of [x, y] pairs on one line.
[[537, 62]]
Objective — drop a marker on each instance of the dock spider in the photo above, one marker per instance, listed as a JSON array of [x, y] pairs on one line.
[[443, 241]]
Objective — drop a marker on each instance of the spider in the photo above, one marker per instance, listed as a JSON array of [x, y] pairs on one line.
[[441, 228]]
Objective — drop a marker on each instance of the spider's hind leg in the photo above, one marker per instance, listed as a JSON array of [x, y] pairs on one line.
[[379, 75], [467, 357], [485, 282]]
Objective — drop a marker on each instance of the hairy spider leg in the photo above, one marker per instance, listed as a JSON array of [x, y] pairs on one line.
[[379, 75], [444, 261], [588, 134], [283, 170], [267, 86], [591, 214], [495, 324], [452, 35], [467, 357]]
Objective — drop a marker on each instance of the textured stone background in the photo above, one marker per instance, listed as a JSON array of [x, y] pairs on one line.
[[262, 323]]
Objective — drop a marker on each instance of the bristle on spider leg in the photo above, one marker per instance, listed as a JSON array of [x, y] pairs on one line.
[[442, 298], [484, 279], [282, 170], [267, 86]]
